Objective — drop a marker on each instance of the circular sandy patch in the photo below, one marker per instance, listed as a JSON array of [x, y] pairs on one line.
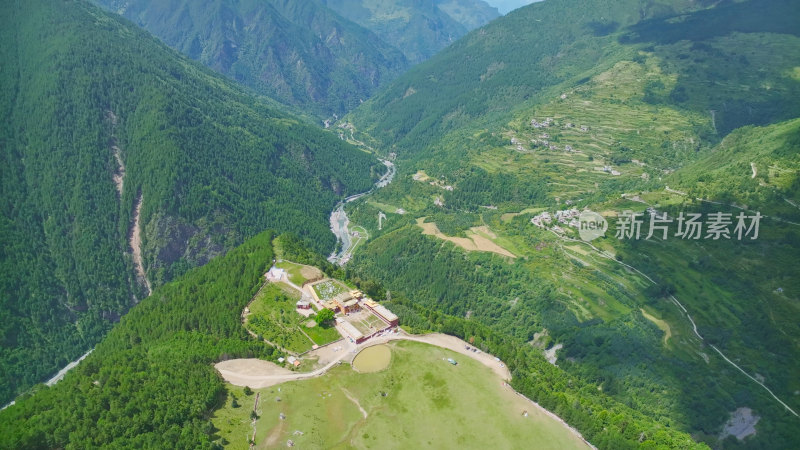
[[372, 359]]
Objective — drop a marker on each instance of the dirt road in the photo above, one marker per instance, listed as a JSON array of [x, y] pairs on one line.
[[260, 374]]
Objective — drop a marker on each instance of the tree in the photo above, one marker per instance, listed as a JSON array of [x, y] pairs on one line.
[[247, 390], [324, 317]]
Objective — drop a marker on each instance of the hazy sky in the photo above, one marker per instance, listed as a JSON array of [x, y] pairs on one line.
[[507, 5]]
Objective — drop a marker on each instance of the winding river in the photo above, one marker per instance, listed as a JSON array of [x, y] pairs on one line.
[[340, 222]]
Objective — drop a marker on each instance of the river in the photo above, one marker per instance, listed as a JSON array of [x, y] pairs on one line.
[[340, 222]]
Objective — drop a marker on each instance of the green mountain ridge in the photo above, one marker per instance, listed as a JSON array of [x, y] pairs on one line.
[[299, 53], [470, 13], [201, 164], [419, 28], [483, 76]]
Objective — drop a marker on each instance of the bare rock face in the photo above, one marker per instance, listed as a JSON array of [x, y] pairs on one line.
[[174, 245], [741, 424]]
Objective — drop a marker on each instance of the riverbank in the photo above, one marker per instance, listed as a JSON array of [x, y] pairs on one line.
[[340, 222]]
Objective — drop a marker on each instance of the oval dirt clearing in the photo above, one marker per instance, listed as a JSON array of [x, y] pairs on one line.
[[373, 359]]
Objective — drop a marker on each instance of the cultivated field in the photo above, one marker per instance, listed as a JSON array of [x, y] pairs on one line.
[[480, 238]]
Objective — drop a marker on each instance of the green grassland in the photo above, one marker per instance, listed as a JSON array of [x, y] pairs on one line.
[[322, 335], [429, 403], [233, 424], [295, 271], [273, 317], [292, 271]]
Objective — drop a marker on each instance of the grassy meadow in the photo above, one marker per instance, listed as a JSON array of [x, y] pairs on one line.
[[428, 403]]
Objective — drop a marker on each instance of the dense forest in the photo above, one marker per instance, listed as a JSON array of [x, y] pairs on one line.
[[88, 99], [298, 52], [420, 29], [151, 383]]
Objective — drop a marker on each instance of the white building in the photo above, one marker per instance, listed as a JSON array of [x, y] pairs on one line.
[[275, 274]]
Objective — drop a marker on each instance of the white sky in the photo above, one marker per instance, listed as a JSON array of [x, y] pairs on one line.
[[507, 5]]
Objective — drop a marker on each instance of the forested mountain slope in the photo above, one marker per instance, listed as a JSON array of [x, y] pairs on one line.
[[672, 107], [470, 13], [536, 52], [151, 382], [298, 52], [419, 28], [118, 156]]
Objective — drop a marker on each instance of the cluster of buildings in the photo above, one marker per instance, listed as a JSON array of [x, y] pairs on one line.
[[541, 141], [354, 301], [382, 312], [422, 177], [388, 321], [356, 307], [567, 217], [611, 170], [292, 360], [275, 274], [358, 319], [518, 144], [344, 303], [541, 220], [547, 122], [441, 185]]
